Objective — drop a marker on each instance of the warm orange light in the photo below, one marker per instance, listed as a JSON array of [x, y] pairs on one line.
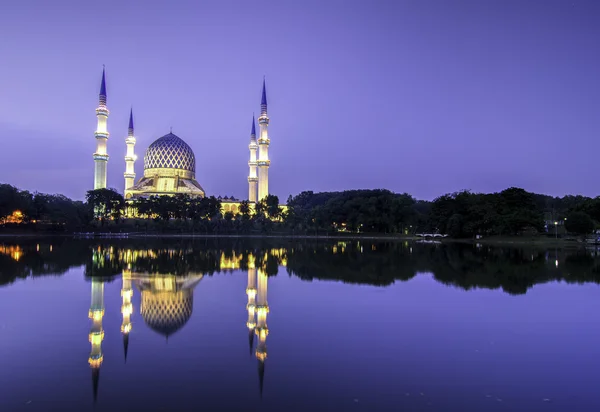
[[15, 252], [95, 362], [96, 314], [15, 217]]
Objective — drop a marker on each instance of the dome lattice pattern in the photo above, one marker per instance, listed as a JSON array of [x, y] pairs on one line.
[[170, 152], [166, 312]]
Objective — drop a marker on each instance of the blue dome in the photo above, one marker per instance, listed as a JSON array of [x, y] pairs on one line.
[[170, 152]]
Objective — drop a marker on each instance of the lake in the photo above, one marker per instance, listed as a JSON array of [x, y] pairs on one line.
[[281, 325]]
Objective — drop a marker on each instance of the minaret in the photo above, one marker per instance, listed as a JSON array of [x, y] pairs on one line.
[[101, 155], [263, 148], [251, 306], [96, 335], [130, 156], [252, 177], [262, 308], [126, 308]]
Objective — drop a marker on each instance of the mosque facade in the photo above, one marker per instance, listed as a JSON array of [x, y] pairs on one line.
[[170, 163]]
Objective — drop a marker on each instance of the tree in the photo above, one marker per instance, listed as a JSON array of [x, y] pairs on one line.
[[579, 223], [106, 204], [271, 206], [519, 210], [245, 209], [11, 199], [259, 209], [454, 225], [143, 206]]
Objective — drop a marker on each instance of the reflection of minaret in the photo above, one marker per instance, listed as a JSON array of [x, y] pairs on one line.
[[96, 333], [251, 306], [126, 308], [262, 308]]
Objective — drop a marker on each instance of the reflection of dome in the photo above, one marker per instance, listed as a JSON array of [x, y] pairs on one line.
[[166, 312], [167, 301], [170, 152]]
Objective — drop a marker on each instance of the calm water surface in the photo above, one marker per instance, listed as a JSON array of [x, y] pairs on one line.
[[280, 326]]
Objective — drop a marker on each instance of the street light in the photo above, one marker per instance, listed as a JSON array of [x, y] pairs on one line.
[[555, 229]]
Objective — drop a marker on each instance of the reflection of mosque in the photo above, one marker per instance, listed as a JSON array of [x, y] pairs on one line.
[[167, 304]]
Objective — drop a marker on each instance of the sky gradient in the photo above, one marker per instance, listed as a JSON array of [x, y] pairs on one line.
[[424, 97]]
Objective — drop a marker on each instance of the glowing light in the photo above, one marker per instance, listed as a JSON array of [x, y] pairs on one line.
[[261, 356], [262, 310], [15, 217], [15, 252], [127, 309], [96, 338], [96, 314]]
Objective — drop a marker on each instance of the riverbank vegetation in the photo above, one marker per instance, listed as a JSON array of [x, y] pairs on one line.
[[511, 212]]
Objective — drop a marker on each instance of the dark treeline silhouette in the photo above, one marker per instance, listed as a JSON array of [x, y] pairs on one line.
[[512, 211], [40, 210], [377, 263]]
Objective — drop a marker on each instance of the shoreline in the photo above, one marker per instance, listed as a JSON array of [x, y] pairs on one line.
[[498, 241]]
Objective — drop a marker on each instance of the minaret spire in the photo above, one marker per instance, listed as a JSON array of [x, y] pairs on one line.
[[263, 147], [101, 155], [102, 96], [261, 376], [263, 100], [95, 382], [130, 156], [130, 122], [253, 163]]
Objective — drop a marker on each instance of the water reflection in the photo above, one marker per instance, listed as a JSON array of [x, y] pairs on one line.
[[167, 300], [514, 270], [417, 329], [96, 332]]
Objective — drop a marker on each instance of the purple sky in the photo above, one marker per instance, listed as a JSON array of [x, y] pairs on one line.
[[425, 97]]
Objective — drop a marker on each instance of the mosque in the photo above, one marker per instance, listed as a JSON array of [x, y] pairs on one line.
[[170, 163], [166, 302]]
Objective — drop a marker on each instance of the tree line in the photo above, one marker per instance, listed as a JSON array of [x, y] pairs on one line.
[[463, 214]]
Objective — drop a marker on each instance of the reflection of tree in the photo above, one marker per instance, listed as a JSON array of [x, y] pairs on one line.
[[375, 264], [38, 259], [513, 270]]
